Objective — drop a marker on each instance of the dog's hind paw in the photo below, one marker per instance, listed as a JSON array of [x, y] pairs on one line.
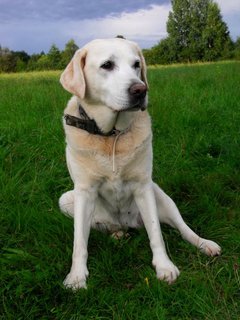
[[117, 235], [209, 247]]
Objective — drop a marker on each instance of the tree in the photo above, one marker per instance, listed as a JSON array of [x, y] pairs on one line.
[[21, 58], [32, 63], [54, 57], [67, 54], [215, 35], [44, 63], [178, 26], [195, 27], [7, 60], [236, 53], [162, 53], [22, 55]]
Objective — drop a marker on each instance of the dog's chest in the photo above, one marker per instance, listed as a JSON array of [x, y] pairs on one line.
[[116, 194]]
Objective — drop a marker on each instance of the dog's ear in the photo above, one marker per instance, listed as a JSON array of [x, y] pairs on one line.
[[72, 78], [143, 65], [144, 68]]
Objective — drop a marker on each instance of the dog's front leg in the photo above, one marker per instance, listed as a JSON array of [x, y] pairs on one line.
[[145, 200], [83, 210]]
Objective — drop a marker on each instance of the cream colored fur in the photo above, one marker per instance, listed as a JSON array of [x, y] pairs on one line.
[[127, 197]]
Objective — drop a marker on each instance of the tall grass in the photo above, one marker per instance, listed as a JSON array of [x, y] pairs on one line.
[[195, 116]]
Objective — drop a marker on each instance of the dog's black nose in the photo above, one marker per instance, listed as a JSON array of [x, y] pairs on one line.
[[138, 90]]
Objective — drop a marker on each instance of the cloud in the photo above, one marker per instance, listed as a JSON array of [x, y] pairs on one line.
[[46, 10], [231, 15], [146, 26], [229, 6], [33, 25]]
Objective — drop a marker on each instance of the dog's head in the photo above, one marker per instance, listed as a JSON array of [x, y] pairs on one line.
[[109, 72]]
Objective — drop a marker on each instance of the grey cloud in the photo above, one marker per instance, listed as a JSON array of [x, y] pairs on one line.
[[46, 10]]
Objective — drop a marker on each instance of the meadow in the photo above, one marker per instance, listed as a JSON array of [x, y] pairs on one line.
[[195, 113]]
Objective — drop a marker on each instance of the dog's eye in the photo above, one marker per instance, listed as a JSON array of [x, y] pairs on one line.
[[136, 64], [108, 65]]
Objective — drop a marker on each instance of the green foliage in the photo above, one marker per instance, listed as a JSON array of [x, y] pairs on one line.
[[16, 61], [67, 54], [163, 53], [21, 55], [236, 52], [44, 63], [32, 63], [215, 35], [196, 32], [195, 117], [7, 60], [185, 24], [11, 61], [20, 65], [54, 58]]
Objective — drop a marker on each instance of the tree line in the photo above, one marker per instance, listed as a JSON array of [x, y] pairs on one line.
[[196, 32], [17, 61]]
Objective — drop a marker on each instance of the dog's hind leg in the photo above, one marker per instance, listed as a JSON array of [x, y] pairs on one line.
[[66, 203], [168, 213]]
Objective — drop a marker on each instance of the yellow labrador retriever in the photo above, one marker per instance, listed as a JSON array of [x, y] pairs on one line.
[[109, 156]]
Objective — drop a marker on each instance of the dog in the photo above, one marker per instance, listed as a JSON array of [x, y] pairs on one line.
[[109, 156]]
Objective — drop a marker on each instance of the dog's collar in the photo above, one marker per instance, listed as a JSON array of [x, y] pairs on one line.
[[87, 124]]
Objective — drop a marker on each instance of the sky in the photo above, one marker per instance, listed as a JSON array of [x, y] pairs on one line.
[[34, 25]]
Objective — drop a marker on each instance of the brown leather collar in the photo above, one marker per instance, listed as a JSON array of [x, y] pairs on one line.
[[87, 124]]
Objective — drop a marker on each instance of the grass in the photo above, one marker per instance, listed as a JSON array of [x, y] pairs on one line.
[[195, 116]]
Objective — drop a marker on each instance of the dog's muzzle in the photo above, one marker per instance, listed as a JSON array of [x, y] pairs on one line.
[[137, 93]]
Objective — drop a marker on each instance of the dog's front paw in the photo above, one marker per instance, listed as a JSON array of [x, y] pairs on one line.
[[209, 247], [76, 280], [166, 271]]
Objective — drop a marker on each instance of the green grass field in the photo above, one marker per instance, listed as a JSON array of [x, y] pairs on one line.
[[196, 123]]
